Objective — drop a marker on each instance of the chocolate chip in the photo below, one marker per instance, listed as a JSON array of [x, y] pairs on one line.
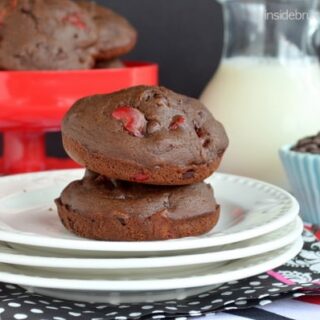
[[200, 114], [104, 180], [166, 203], [157, 95], [153, 126], [308, 145], [305, 141], [61, 54], [317, 140], [200, 132], [122, 217], [313, 145], [122, 221], [203, 135], [188, 174], [162, 102], [206, 143], [146, 96]]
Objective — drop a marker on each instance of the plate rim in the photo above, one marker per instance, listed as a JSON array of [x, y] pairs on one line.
[[191, 259], [171, 245], [155, 284]]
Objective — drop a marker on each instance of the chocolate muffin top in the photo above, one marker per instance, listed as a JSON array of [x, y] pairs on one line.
[[308, 145], [95, 193], [151, 126], [116, 36], [46, 35]]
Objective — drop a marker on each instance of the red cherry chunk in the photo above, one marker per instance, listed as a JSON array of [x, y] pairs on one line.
[[132, 119], [140, 177], [75, 19], [13, 3], [176, 122], [3, 14]]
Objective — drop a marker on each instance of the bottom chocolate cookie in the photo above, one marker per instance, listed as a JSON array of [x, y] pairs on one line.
[[98, 208]]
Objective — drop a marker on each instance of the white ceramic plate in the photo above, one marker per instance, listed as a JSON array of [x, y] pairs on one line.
[[28, 216], [271, 241], [204, 275], [122, 297]]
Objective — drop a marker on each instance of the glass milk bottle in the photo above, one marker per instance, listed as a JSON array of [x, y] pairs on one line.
[[267, 88]]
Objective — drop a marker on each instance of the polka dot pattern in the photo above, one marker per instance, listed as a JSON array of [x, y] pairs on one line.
[[20, 316], [19, 304]]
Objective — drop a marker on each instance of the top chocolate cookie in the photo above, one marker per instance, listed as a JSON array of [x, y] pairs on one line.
[[58, 35], [145, 134]]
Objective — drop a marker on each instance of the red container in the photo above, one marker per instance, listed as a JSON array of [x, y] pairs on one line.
[[34, 102]]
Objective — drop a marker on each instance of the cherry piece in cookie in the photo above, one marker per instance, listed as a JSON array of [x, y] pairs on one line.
[[75, 19], [140, 177], [132, 119], [177, 121], [3, 14], [13, 3]]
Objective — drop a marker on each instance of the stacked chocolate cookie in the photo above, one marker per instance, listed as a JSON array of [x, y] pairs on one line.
[[62, 34], [147, 151]]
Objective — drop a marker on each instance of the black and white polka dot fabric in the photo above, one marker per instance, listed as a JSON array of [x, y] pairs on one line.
[[301, 275]]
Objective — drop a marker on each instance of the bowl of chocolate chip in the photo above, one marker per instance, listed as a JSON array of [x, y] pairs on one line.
[[301, 162]]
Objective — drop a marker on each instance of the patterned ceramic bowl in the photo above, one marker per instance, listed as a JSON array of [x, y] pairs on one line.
[[303, 171]]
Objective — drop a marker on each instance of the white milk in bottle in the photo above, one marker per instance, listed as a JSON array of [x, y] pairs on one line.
[[264, 103]]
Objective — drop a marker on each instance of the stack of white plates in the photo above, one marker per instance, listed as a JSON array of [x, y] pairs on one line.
[[259, 229]]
